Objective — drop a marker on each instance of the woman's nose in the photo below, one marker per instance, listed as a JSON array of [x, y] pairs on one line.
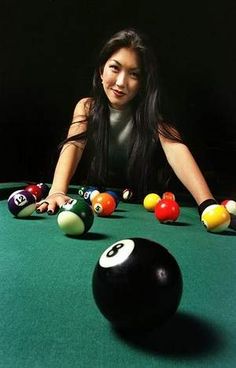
[[120, 81]]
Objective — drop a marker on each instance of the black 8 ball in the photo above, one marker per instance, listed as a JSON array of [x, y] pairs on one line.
[[137, 284]]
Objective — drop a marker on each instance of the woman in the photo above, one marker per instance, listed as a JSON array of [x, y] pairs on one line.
[[118, 134]]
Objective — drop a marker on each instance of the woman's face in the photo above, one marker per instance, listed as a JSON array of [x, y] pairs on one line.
[[121, 77]]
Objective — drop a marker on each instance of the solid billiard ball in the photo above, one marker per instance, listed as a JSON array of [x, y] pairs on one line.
[[215, 218], [230, 205], [104, 204], [168, 195], [167, 210], [114, 195], [150, 201], [137, 284], [75, 217], [21, 203], [127, 194], [36, 190]]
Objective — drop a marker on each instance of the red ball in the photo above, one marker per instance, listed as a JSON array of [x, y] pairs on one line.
[[35, 190], [168, 195], [104, 204], [230, 205], [167, 210]]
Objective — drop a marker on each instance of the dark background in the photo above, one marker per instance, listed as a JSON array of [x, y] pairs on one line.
[[48, 51]]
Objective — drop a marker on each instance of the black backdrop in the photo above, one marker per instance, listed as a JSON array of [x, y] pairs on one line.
[[48, 49]]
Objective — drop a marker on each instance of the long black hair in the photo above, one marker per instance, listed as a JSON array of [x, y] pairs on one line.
[[147, 120]]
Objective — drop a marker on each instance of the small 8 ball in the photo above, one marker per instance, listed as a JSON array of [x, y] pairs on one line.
[[137, 284]]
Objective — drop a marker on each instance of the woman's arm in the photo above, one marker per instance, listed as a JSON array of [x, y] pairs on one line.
[[186, 169], [68, 161]]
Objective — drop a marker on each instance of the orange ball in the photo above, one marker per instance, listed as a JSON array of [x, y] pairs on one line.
[[104, 204]]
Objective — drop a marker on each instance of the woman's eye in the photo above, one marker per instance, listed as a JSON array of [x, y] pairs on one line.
[[134, 75], [114, 67]]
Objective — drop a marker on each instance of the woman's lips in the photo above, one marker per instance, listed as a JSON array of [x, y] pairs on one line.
[[118, 93]]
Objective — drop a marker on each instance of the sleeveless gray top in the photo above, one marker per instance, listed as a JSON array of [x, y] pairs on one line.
[[119, 135]]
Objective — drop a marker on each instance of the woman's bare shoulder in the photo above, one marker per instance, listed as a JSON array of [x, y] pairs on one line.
[[83, 107]]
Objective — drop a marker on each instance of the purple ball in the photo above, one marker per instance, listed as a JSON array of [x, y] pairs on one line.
[[21, 203]]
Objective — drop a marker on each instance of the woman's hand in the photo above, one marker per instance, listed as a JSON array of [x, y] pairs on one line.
[[52, 202]]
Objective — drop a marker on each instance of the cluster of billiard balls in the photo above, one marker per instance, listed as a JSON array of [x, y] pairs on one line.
[[22, 203], [77, 215], [165, 208], [216, 217]]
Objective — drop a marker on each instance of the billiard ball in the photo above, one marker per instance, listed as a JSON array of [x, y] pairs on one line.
[[75, 217], [90, 194], [86, 195], [215, 218], [81, 190], [137, 284], [127, 194], [167, 210], [93, 194], [168, 195], [150, 201], [45, 189], [36, 190], [230, 205], [21, 203], [114, 195], [104, 204]]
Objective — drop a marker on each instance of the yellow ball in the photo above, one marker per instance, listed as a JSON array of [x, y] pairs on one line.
[[216, 218], [150, 201]]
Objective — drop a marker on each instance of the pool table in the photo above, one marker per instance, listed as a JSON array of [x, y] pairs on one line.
[[48, 314]]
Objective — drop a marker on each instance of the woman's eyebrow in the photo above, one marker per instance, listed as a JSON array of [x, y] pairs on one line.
[[117, 62]]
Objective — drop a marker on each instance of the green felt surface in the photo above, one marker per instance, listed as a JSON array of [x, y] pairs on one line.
[[48, 315]]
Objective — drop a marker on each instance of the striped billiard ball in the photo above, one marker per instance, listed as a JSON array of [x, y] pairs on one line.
[[21, 203], [215, 218], [75, 217]]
